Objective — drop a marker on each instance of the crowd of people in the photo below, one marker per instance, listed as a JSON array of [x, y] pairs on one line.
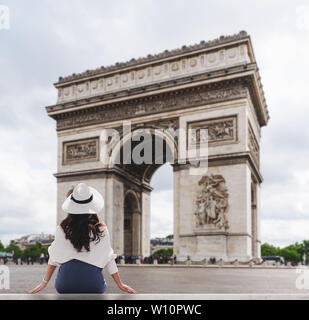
[[160, 259], [145, 260], [128, 259], [43, 258]]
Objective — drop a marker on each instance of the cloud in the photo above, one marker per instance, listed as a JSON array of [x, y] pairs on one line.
[[57, 38], [284, 232], [162, 213]]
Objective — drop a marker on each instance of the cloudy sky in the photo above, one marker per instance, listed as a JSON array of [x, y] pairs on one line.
[[48, 39]]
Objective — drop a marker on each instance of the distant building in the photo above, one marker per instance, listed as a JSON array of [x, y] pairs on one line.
[[161, 243], [26, 241]]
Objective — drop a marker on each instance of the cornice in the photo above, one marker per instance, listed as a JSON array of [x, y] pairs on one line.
[[151, 58], [128, 94], [188, 97], [154, 104]]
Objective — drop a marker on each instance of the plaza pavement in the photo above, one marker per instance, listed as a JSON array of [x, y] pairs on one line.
[[149, 279]]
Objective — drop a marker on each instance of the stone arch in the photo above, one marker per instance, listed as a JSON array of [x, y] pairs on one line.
[[131, 224], [132, 194], [136, 180], [171, 141]]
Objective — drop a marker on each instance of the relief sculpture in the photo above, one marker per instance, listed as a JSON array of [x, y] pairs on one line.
[[253, 145], [212, 202], [214, 130], [81, 151]]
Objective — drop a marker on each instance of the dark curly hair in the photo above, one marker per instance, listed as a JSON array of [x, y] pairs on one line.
[[80, 229]]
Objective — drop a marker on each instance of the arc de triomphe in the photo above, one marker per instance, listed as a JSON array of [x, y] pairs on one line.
[[211, 95]]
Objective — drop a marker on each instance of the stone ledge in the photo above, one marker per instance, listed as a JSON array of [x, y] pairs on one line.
[[154, 297], [230, 266]]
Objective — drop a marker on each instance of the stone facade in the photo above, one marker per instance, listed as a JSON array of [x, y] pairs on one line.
[[204, 96]]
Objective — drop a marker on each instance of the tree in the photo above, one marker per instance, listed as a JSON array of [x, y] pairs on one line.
[[15, 250], [269, 250], [291, 253], [34, 251], [306, 249], [168, 252], [1, 247]]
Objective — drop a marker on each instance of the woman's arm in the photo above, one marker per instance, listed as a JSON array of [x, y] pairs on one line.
[[121, 285], [49, 272], [112, 269]]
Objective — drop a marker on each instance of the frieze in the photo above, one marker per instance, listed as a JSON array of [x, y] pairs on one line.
[[150, 105]]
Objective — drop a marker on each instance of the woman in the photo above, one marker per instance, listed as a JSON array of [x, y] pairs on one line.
[[82, 247]]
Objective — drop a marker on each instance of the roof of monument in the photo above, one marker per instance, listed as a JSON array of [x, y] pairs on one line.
[[154, 57]]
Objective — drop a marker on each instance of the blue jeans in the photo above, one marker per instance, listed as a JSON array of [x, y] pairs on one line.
[[76, 276]]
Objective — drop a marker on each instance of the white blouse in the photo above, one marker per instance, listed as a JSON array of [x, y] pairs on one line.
[[101, 254]]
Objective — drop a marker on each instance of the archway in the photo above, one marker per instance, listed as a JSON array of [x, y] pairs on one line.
[[162, 208], [135, 177], [131, 225], [137, 156]]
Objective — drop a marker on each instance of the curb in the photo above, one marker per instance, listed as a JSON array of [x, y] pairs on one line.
[[203, 266]]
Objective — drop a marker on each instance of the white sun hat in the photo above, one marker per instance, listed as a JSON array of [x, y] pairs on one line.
[[83, 200]]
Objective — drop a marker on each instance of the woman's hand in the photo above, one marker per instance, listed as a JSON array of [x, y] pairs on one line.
[[126, 288], [121, 285], [38, 288], [101, 225], [50, 269]]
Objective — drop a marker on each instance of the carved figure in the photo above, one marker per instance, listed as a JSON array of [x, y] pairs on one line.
[[212, 202]]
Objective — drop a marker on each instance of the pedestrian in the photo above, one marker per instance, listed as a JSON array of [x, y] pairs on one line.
[[42, 257], [82, 247]]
